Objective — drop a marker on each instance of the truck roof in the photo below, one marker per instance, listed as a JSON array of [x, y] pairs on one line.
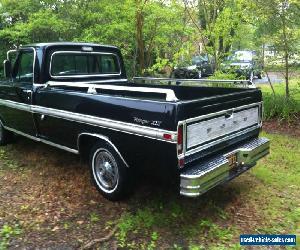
[[52, 44]]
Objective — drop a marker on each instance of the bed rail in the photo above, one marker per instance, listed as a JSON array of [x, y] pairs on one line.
[[195, 82]]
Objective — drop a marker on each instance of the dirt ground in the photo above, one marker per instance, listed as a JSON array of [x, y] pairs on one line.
[[47, 201], [277, 127]]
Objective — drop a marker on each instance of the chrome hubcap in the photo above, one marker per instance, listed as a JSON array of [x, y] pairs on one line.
[[105, 170]]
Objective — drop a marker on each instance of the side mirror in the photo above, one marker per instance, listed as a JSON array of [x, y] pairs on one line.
[[7, 68]]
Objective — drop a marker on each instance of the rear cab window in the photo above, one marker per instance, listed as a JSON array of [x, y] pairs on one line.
[[83, 64]]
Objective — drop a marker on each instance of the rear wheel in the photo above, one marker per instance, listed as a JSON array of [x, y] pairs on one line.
[[4, 135], [109, 173]]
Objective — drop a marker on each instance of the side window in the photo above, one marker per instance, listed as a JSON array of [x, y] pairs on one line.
[[23, 71]]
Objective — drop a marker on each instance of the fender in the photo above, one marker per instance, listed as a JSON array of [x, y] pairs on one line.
[[104, 138]]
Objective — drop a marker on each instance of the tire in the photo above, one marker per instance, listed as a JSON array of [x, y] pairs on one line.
[[200, 74], [259, 76], [5, 136], [109, 173], [251, 76]]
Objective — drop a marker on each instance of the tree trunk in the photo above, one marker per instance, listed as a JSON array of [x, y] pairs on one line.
[[139, 36], [286, 56]]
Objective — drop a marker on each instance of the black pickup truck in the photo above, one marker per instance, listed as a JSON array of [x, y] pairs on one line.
[[76, 96]]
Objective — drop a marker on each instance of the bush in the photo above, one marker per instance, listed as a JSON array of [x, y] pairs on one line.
[[280, 107], [219, 75]]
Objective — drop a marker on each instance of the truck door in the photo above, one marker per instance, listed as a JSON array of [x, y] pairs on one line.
[[16, 94]]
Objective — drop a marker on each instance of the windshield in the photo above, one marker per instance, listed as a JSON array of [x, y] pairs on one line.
[[199, 59], [241, 56], [84, 64]]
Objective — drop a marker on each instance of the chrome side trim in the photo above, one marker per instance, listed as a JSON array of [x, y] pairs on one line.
[[170, 94], [82, 76], [102, 137], [130, 128], [15, 105], [74, 151]]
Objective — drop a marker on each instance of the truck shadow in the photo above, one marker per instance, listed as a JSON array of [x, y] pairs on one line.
[[148, 189]]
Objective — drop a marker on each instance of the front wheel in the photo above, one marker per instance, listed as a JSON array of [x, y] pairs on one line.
[[109, 173], [259, 75], [199, 74]]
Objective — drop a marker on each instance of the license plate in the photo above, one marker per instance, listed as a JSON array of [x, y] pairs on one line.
[[232, 160]]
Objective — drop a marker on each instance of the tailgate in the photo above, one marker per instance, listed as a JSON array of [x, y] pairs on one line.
[[208, 133]]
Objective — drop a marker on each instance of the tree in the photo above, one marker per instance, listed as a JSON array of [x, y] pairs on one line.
[[279, 25], [217, 23]]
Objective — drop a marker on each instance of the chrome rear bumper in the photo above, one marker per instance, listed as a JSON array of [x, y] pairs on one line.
[[198, 179]]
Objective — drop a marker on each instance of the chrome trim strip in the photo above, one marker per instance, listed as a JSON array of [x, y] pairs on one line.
[[74, 151], [10, 51], [15, 105], [82, 76], [199, 118], [102, 137], [123, 80], [117, 97], [170, 94], [130, 128], [247, 83], [88, 82]]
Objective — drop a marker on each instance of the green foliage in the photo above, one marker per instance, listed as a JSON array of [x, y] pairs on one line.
[[278, 106], [106, 22], [223, 76], [154, 238], [6, 234]]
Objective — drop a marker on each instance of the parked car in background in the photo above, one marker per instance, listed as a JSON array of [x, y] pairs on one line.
[[243, 63], [202, 65]]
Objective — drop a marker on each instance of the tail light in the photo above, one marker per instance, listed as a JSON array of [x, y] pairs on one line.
[[180, 140]]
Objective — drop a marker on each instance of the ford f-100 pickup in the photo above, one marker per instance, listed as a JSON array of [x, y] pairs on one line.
[[76, 96]]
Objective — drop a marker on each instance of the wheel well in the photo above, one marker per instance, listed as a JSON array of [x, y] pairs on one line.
[[85, 144], [87, 141]]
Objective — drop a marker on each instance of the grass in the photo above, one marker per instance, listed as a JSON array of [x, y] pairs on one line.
[[280, 175], [274, 193]]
